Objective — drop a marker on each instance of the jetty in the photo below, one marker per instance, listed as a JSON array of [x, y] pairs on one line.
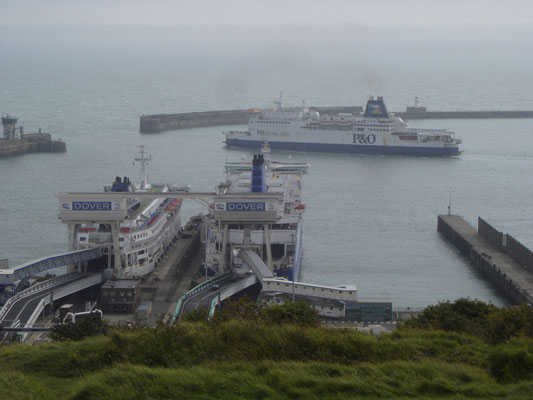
[[15, 141], [497, 256]]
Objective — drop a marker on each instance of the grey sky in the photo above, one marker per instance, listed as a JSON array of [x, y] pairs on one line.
[[446, 15]]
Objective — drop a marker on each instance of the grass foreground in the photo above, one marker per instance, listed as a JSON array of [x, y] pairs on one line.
[[247, 358]]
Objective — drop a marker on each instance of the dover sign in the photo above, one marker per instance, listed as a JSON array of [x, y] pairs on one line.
[[92, 208], [246, 209]]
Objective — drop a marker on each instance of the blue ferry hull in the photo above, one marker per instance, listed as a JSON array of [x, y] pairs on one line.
[[348, 148]]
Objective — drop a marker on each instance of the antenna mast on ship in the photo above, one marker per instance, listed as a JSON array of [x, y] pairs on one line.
[[266, 153], [143, 160], [278, 104]]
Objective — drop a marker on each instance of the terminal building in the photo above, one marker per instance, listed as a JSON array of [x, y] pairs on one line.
[[329, 301]]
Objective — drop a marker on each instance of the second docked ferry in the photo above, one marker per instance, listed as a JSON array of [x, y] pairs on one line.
[[376, 131]]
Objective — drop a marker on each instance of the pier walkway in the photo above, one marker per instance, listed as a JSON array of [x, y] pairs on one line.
[[511, 278], [20, 272]]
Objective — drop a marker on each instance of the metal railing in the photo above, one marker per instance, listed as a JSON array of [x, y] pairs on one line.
[[195, 290], [36, 288]]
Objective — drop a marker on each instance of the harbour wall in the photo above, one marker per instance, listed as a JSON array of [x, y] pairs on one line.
[[464, 114], [167, 122], [31, 143], [498, 257]]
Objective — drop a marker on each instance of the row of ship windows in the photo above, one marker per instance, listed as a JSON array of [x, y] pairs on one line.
[[373, 130], [305, 287], [275, 122]]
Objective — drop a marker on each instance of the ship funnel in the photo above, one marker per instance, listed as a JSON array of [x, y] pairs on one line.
[[258, 174], [376, 108]]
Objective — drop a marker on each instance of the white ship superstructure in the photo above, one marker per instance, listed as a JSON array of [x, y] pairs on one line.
[[262, 175], [150, 227], [376, 131]]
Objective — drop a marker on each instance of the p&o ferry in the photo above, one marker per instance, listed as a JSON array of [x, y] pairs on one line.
[[376, 131]]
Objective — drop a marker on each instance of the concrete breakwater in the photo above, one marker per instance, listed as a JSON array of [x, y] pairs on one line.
[[464, 114], [498, 257], [31, 143], [167, 122]]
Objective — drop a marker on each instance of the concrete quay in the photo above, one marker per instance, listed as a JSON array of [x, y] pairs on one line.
[[511, 278]]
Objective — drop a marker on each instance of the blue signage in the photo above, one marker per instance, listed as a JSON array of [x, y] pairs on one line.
[[245, 206], [91, 205]]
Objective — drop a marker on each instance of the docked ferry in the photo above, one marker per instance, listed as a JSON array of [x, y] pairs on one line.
[[285, 236], [376, 131], [148, 230]]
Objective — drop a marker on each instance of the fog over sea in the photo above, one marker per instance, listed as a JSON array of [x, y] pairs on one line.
[[370, 220]]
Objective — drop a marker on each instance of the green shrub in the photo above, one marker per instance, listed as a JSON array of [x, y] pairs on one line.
[[90, 325], [473, 317], [509, 364], [298, 313]]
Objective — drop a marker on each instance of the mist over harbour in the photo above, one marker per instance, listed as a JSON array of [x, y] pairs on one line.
[[370, 220]]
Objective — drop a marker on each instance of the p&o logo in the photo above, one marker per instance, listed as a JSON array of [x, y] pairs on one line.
[[361, 138]]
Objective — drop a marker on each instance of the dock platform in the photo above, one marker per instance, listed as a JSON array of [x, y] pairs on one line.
[[510, 277]]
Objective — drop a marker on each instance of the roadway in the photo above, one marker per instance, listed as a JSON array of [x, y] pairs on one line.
[[23, 308], [168, 282], [204, 298]]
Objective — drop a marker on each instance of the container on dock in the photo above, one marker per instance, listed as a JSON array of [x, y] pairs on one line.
[[144, 310]]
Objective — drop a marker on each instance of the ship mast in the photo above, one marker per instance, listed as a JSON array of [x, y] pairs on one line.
[[278, 104], [266, 154], [144, 161]]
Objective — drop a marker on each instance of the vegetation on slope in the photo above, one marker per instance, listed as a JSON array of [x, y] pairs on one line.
[[248, 353]]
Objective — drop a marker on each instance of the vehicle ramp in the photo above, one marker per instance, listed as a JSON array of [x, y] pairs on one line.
[[25, 307], [257, 265]]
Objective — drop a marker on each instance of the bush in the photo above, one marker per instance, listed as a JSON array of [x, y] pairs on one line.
[[199, 315], [462, 316], [297, 313], [473, 317], [90, 325], [511, 364]]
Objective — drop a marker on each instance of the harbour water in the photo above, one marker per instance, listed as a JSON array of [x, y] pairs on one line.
[[370, 220]]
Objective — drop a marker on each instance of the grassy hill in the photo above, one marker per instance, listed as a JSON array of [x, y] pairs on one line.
[[246, 354]]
